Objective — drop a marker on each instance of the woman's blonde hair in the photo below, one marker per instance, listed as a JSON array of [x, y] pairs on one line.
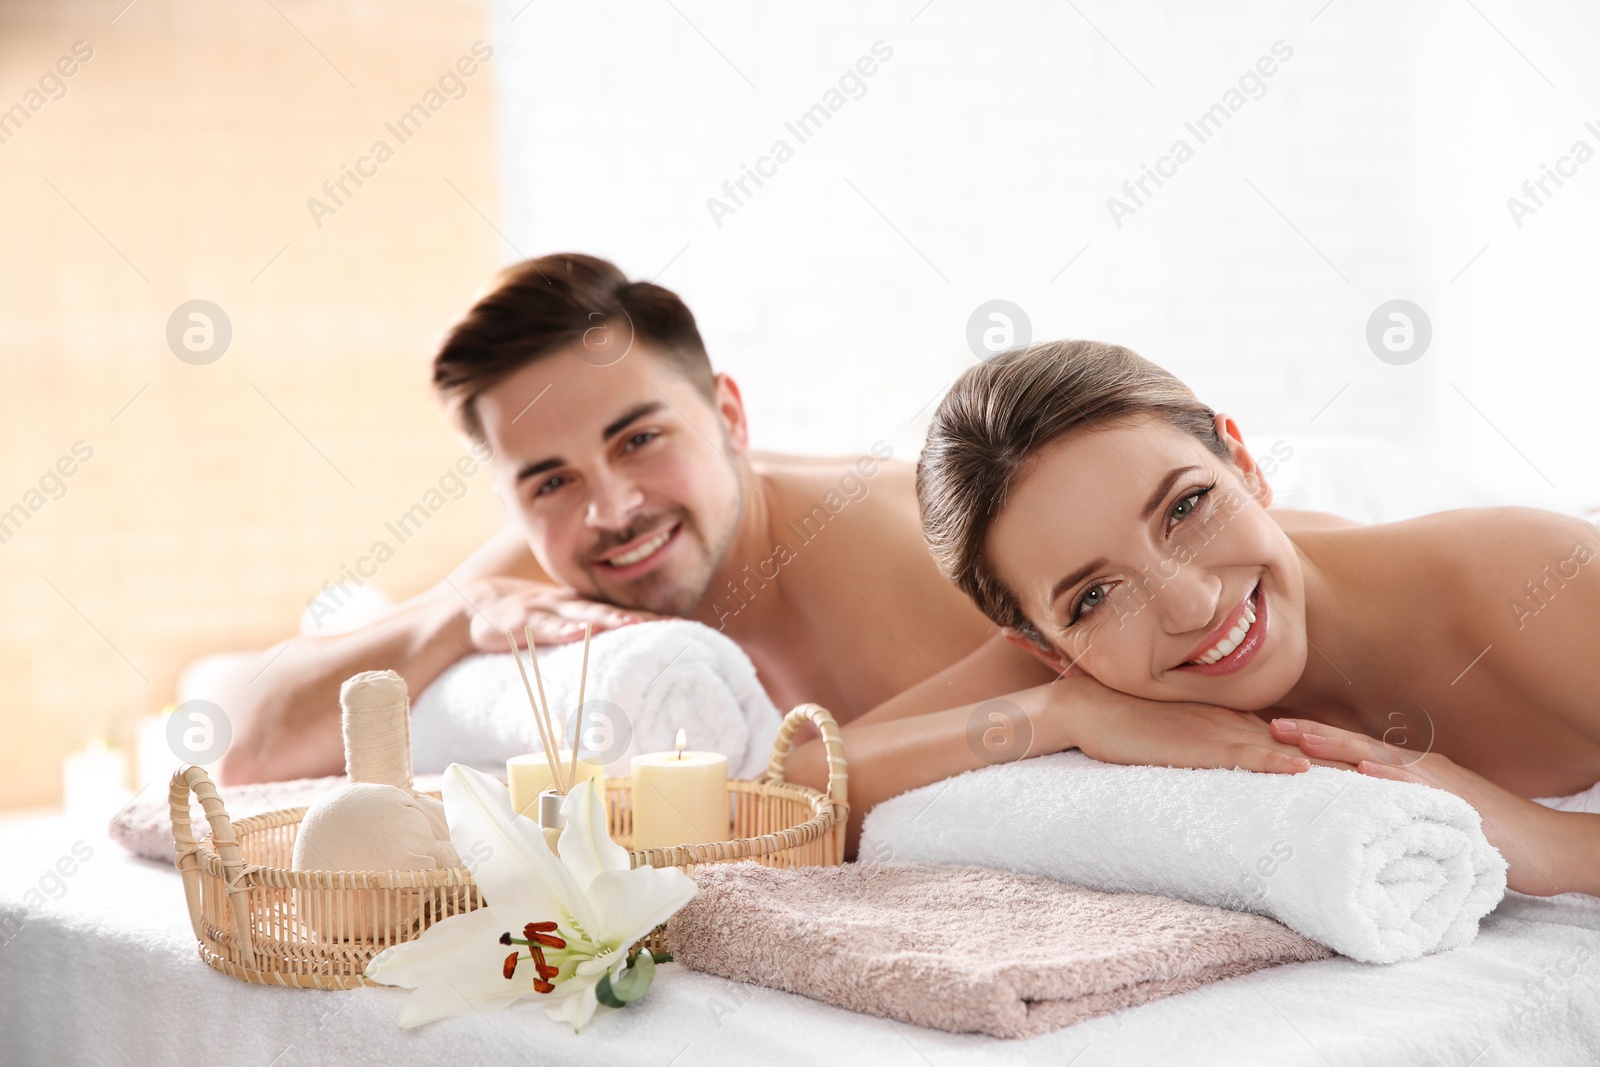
[[1005, 410]]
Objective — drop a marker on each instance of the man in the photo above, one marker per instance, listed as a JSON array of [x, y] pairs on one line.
[[624, 464], [623, 461]]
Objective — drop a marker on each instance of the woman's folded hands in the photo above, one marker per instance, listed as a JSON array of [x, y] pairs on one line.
[[1119, 728], [1548, 851]]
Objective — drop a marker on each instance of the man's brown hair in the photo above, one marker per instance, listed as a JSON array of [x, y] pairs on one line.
[[540, 306], [1003, 411]]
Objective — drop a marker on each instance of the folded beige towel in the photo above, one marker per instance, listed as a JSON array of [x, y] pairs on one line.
[[964, 949]]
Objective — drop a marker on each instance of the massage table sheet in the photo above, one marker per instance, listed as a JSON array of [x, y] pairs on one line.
[[108, 973]]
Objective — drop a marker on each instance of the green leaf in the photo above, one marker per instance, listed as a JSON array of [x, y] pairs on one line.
[[604, 994], [632, 983]]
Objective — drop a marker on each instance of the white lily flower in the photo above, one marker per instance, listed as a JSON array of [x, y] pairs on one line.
[[578, 914]]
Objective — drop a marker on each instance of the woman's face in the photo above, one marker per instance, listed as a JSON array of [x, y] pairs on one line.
[[1140, 556]]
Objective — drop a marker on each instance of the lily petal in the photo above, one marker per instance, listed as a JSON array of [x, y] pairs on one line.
[[409, 963], [459, 989], [520, 874], [595, 967], [631, 903], [454, 968], [577, 1006], [586, 847]]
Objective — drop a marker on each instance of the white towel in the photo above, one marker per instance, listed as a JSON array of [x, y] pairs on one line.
[[658, 677], [1379, 871]]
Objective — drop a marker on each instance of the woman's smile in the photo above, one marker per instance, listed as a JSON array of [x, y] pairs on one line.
[[1234, 643]]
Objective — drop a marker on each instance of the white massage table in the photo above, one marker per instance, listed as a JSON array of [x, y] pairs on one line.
[[107, 973]]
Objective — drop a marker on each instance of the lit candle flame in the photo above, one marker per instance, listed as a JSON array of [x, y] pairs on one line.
[[683, 742]]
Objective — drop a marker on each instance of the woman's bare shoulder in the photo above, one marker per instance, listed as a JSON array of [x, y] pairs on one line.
[[1474, 530], [1293, 519], [1468, 549]]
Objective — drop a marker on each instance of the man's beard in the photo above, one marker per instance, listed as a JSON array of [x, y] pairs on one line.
[[679, 596]]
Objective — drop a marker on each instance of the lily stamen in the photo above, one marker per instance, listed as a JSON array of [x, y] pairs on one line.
[[544, 969], [540, 933]]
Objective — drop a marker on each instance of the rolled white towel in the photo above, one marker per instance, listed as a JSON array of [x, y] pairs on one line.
[[646, 682], [1377, 870]]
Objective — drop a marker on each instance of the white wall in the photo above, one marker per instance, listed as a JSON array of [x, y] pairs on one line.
[[977, 165]]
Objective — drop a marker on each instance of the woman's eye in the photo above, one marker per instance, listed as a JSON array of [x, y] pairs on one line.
[[1092, 598], [1189, 504]]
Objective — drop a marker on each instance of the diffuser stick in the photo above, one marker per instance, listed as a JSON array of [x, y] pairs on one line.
[[583, 680], [550, 754], [555, 746]]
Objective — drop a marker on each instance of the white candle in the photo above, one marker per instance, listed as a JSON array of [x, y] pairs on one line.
[[92, 781], [679, 798], [529, 775], [155, 758]]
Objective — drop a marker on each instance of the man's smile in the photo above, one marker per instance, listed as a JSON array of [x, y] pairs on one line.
[[634, 557]]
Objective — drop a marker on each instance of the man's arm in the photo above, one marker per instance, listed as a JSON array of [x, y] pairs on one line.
[[286, 719]]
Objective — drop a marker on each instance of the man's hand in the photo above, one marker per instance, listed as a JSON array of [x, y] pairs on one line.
[[557, 615], [1118, 728], [1543, 847]]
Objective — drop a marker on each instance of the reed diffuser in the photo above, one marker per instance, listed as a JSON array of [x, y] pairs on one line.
[[538, 787]]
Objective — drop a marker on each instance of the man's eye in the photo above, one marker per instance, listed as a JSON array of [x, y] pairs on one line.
[[640, 439], [549, 485]]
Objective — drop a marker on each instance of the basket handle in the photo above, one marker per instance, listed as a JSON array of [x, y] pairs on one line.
[[832, 741], [187, 854]]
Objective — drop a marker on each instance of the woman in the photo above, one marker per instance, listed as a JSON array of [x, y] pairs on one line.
[[1115, 527], [1455, 649]]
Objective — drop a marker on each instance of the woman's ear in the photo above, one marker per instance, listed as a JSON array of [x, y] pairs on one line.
[[1048, 656], [1249, 469]]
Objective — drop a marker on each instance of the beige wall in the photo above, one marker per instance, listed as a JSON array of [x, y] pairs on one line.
[[176, 166]]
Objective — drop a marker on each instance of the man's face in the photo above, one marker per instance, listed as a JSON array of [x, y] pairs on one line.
[[623, 477]]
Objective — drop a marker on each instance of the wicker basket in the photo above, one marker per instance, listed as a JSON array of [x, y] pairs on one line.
[[254, 917]]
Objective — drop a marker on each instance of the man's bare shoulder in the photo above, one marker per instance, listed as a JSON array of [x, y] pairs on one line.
[[866, 486], [505, 554]]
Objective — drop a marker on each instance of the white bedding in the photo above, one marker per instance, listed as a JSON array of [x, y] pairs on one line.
[[108, 973]]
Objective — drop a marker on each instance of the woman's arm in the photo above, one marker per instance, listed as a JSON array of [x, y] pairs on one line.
[[1527, 593], [900, 746], [1547, 851]]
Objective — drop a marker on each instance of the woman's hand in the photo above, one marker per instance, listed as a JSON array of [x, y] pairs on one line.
[[1118, 728], [1539, 843]]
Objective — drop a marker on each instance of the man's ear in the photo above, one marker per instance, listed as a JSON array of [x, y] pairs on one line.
[[730, 407], [1048, 656], [1249, 469]]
